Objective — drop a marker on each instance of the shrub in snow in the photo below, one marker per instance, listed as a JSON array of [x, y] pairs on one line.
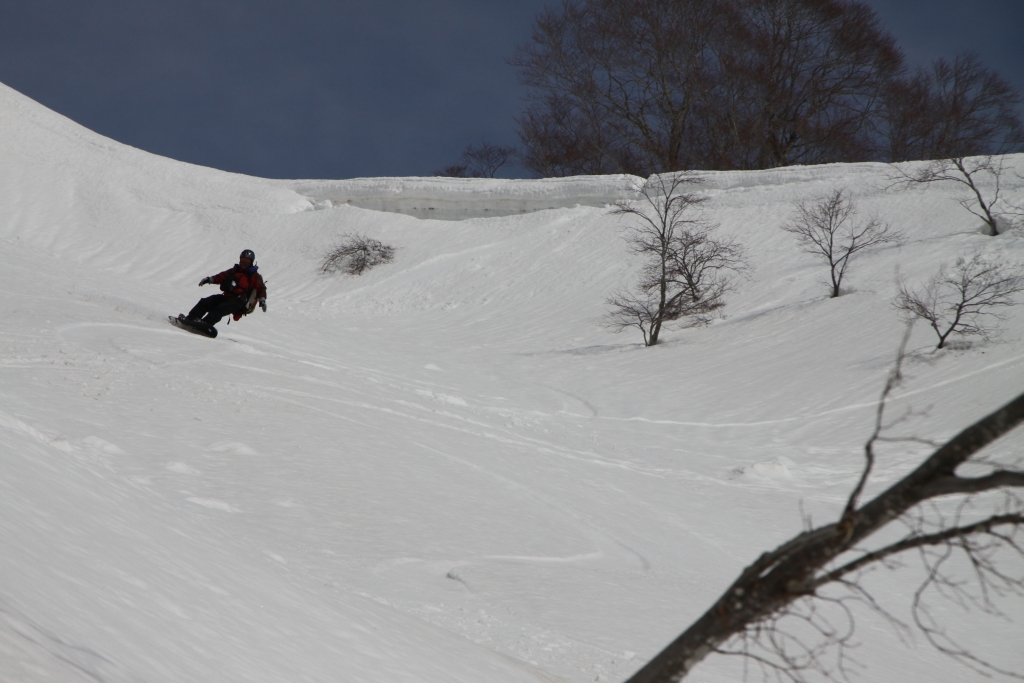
[[687, 272], [964, 299], [356, 254], [828, 228]]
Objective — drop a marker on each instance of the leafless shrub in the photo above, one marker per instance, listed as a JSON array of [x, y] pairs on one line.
[[963, 300], [356, 254], [828, 228], [485, 159], [453, 171], [687, 272], [479, 161], [967, 172], [791, 611]]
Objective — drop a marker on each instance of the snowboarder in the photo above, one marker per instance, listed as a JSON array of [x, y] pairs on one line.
[[242, 288]]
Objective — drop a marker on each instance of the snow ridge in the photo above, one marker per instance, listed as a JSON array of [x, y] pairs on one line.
[[462, 198]]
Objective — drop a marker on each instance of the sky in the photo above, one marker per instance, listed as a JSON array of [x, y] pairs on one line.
[[339, 88]]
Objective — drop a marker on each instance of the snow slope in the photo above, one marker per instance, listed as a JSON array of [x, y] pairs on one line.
[[445, 470]]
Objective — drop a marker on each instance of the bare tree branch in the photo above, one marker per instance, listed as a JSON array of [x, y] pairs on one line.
[[989, 579], [913, 542], [799, 568], [955, 484], [892, 381]]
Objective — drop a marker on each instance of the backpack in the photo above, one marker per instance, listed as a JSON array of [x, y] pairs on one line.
[[231, 283], [251, 295]]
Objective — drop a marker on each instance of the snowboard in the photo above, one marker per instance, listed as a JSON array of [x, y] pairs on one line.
[[193, 326]]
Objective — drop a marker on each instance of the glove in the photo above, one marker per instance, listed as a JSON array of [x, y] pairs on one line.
[[263, 305], [205, 281]]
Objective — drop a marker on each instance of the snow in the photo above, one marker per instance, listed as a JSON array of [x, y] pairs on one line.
[[461, 198], [446, 469]]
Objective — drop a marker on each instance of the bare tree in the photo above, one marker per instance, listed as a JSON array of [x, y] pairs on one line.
[[481, 160], [968, 172], [356, 254], [485, 159], [655, 86], [617, 84], [563, 138], [828, 228], [955, 109], [687, 272], [792, 608], [813, 71], [963, 300]]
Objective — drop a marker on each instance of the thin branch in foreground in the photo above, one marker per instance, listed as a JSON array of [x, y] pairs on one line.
[[892, 381], [781, 583]]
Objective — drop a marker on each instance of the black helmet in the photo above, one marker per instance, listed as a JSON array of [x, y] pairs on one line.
[[247, 253]]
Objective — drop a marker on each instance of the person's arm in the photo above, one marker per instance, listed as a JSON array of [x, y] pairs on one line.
[[261, 292], [220, 277]]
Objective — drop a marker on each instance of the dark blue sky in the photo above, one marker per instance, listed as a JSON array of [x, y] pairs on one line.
[[339, 89]]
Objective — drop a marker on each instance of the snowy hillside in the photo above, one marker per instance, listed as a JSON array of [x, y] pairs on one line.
[[446, 470]]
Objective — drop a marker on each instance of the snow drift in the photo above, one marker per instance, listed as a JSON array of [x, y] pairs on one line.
[[461, 198]]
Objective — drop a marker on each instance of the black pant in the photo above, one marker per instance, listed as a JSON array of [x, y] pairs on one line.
[[211, 309]]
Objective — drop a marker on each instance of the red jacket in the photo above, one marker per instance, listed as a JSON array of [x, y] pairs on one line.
[[248, 286]]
